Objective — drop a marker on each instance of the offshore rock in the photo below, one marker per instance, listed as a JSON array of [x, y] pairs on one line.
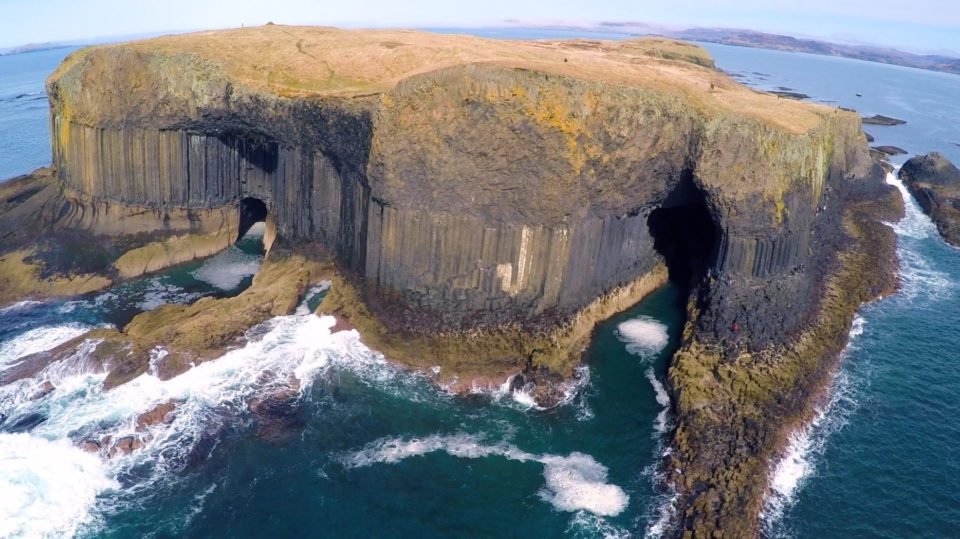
[[485, 202], [935, 183]]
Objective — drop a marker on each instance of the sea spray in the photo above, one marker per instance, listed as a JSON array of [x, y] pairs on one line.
[[47, 486]]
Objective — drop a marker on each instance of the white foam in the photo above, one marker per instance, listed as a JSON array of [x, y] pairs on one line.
[[19, 306], [47, 487], [304, 307], [228, 269], [160, 293], [575, 482], [916, 274], [522, 397], [644, 336], [39, 340], [660, 425], [588, 525], [805, 447], [914, 224]]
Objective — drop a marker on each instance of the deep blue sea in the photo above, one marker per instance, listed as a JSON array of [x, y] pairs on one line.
[[374, 451]]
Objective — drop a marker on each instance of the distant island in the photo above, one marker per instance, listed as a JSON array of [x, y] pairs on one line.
[[33, 47], [762, 40]]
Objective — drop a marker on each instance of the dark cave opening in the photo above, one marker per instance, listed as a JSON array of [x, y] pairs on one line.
[[685, 234], [252, 211]]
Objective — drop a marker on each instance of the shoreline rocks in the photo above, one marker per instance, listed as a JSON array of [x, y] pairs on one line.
[[880, 119], [935, 183], [890, 150], [484, 216]]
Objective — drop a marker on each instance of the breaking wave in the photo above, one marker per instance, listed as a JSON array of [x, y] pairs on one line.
[[48, 487], [644, 336], [575, 482], [58, 478], [39, 340]]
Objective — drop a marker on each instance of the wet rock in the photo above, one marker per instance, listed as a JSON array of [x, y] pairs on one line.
[[90, 445], [125, 446], [161, 413], [890, 150], [880, 119], [935, 183], [277, 411], [25, 423], [45, 389]]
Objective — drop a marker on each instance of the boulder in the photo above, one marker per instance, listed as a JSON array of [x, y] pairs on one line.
[[161, 413], [125, 446], [935, 183], [45, 389]]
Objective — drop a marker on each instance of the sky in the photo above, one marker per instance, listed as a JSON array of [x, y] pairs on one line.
[[915, 25]]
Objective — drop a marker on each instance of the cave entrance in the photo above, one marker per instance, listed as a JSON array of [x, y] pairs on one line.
[[685, 234], [253, 211]]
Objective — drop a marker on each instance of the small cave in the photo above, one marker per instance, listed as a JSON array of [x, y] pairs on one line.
[[252, 211], [685, 234]]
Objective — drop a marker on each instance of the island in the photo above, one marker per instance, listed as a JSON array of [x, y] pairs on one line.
[[479, 205]]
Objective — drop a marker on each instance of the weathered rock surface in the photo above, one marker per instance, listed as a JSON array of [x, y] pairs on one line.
[[161, 413], [486, 203], [935, 182]]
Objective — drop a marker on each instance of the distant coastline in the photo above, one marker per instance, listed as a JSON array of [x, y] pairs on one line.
[[34, 47], [762, 40]]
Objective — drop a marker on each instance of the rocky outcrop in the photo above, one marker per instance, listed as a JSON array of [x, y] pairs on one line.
[[58, 242], [485, 203], [935, 183], [879, 119]]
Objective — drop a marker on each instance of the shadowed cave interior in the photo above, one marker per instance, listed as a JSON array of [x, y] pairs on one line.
[[685, 234], [252, 211]]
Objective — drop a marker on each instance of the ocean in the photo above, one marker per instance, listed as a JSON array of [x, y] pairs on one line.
[[371, 450]]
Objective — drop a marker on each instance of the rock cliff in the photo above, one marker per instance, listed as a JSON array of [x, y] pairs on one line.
[[487, 202]]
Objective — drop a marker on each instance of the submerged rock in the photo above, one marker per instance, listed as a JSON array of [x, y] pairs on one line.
[[90, 445], [24, 423], [935, 183], [45, 389], [277, 411], [124, 446], [161, 413], [880, 119], [890, 150]]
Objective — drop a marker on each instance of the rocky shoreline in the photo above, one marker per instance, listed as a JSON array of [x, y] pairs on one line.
[[733, 424], [478, 215]]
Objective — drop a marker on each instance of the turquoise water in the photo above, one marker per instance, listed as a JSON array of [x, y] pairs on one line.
[[366, 449]]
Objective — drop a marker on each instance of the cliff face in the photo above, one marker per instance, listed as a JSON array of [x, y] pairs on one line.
[[467, 196], [487, 202]]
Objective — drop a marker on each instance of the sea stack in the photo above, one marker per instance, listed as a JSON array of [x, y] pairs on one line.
[[485, 204], [935, 183]]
